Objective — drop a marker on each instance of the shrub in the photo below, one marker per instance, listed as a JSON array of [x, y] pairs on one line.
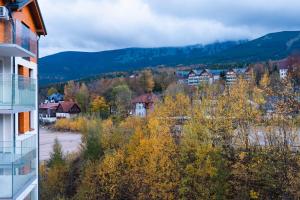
[[74, 125]]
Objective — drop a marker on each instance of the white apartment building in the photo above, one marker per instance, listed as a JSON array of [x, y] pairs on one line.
[[21, 25]]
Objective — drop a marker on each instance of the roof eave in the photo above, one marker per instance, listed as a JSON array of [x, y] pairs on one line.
[[19, 6]]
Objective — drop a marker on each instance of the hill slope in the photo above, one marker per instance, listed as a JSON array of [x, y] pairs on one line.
[[74, 65]]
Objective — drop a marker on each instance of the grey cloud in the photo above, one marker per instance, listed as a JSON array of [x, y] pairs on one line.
[[94, 25]]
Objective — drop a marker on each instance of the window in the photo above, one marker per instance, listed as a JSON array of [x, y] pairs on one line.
[[26, 37], [23, 71], [24, 122]]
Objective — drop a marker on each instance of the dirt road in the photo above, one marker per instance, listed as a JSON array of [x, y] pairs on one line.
[[70, 142]]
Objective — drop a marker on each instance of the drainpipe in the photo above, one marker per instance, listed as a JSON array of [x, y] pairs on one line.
[[37, 118]]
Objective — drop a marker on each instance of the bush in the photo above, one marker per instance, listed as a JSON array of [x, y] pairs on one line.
[[74, 125]]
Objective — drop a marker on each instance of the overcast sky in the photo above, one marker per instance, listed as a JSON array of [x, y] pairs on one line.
[[96, 25]]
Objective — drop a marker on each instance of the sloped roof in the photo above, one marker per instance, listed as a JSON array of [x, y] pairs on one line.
[[206, 71], [283, 64], [145, 98], [36, 12], [67, 106], [210, 71], [48, 106], [182, 73], [237, 70], [56, 96], [249, 69]]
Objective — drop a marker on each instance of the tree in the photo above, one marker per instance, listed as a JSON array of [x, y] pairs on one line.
[[103, 180], [70, 91], [226, 148], [163, 79], [51, 91], [147, 81], [99, 105], [82, 97], [54, 179], [121, 99], [152, 171], [175, 88], [56, 157], [294, 70], [92, 147]]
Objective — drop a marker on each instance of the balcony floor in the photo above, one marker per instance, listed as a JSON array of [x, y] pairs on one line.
[[15, 109], [14, 51]]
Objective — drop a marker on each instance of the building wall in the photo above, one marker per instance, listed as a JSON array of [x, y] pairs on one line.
[[25, 17], [283, 73], [24, 122], [231, 77], [2, 30], [193, 80], [140, 110], [66, 115]]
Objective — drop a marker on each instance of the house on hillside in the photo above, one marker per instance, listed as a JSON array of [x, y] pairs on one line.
[[283, 68], [231, 76], [133, 76], [206, 77], [47, 112], [67, 110], [193, 78], [144, 104], [50, 112], [182, 76], [197, 77], [55, 98], [283, 71]]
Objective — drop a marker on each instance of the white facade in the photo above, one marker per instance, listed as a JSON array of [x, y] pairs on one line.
[[20, 180], [231, 77], [193, 80], [140, 110], [196, 78], [18, 150], [283, 73], [66, 115]]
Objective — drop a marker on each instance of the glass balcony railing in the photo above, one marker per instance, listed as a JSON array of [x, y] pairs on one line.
[[17, 93], [18, 162], [17, 39]]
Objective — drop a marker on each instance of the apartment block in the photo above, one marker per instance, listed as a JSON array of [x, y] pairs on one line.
[[21, 26]]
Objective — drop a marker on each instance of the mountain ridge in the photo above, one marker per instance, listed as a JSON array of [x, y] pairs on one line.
[[70, 65]]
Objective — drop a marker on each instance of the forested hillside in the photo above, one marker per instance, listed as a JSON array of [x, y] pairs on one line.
[[75, 65]]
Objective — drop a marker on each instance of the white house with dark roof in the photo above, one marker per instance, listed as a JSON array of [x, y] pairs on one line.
[[198, 77], [283, 68], [193, 78], [206, 77], [144, 104], [232, 75]]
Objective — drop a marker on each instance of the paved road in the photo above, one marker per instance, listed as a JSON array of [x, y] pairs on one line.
[[70, 142]]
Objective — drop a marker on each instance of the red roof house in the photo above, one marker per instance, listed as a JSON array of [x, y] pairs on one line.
[[143, 104], [67, 109]]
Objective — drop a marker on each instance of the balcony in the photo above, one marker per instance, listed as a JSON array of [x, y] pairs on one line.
[[17, 40], [17, 93], [18, 162]]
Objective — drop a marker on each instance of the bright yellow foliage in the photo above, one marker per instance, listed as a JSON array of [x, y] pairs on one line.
[[99, 104]]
